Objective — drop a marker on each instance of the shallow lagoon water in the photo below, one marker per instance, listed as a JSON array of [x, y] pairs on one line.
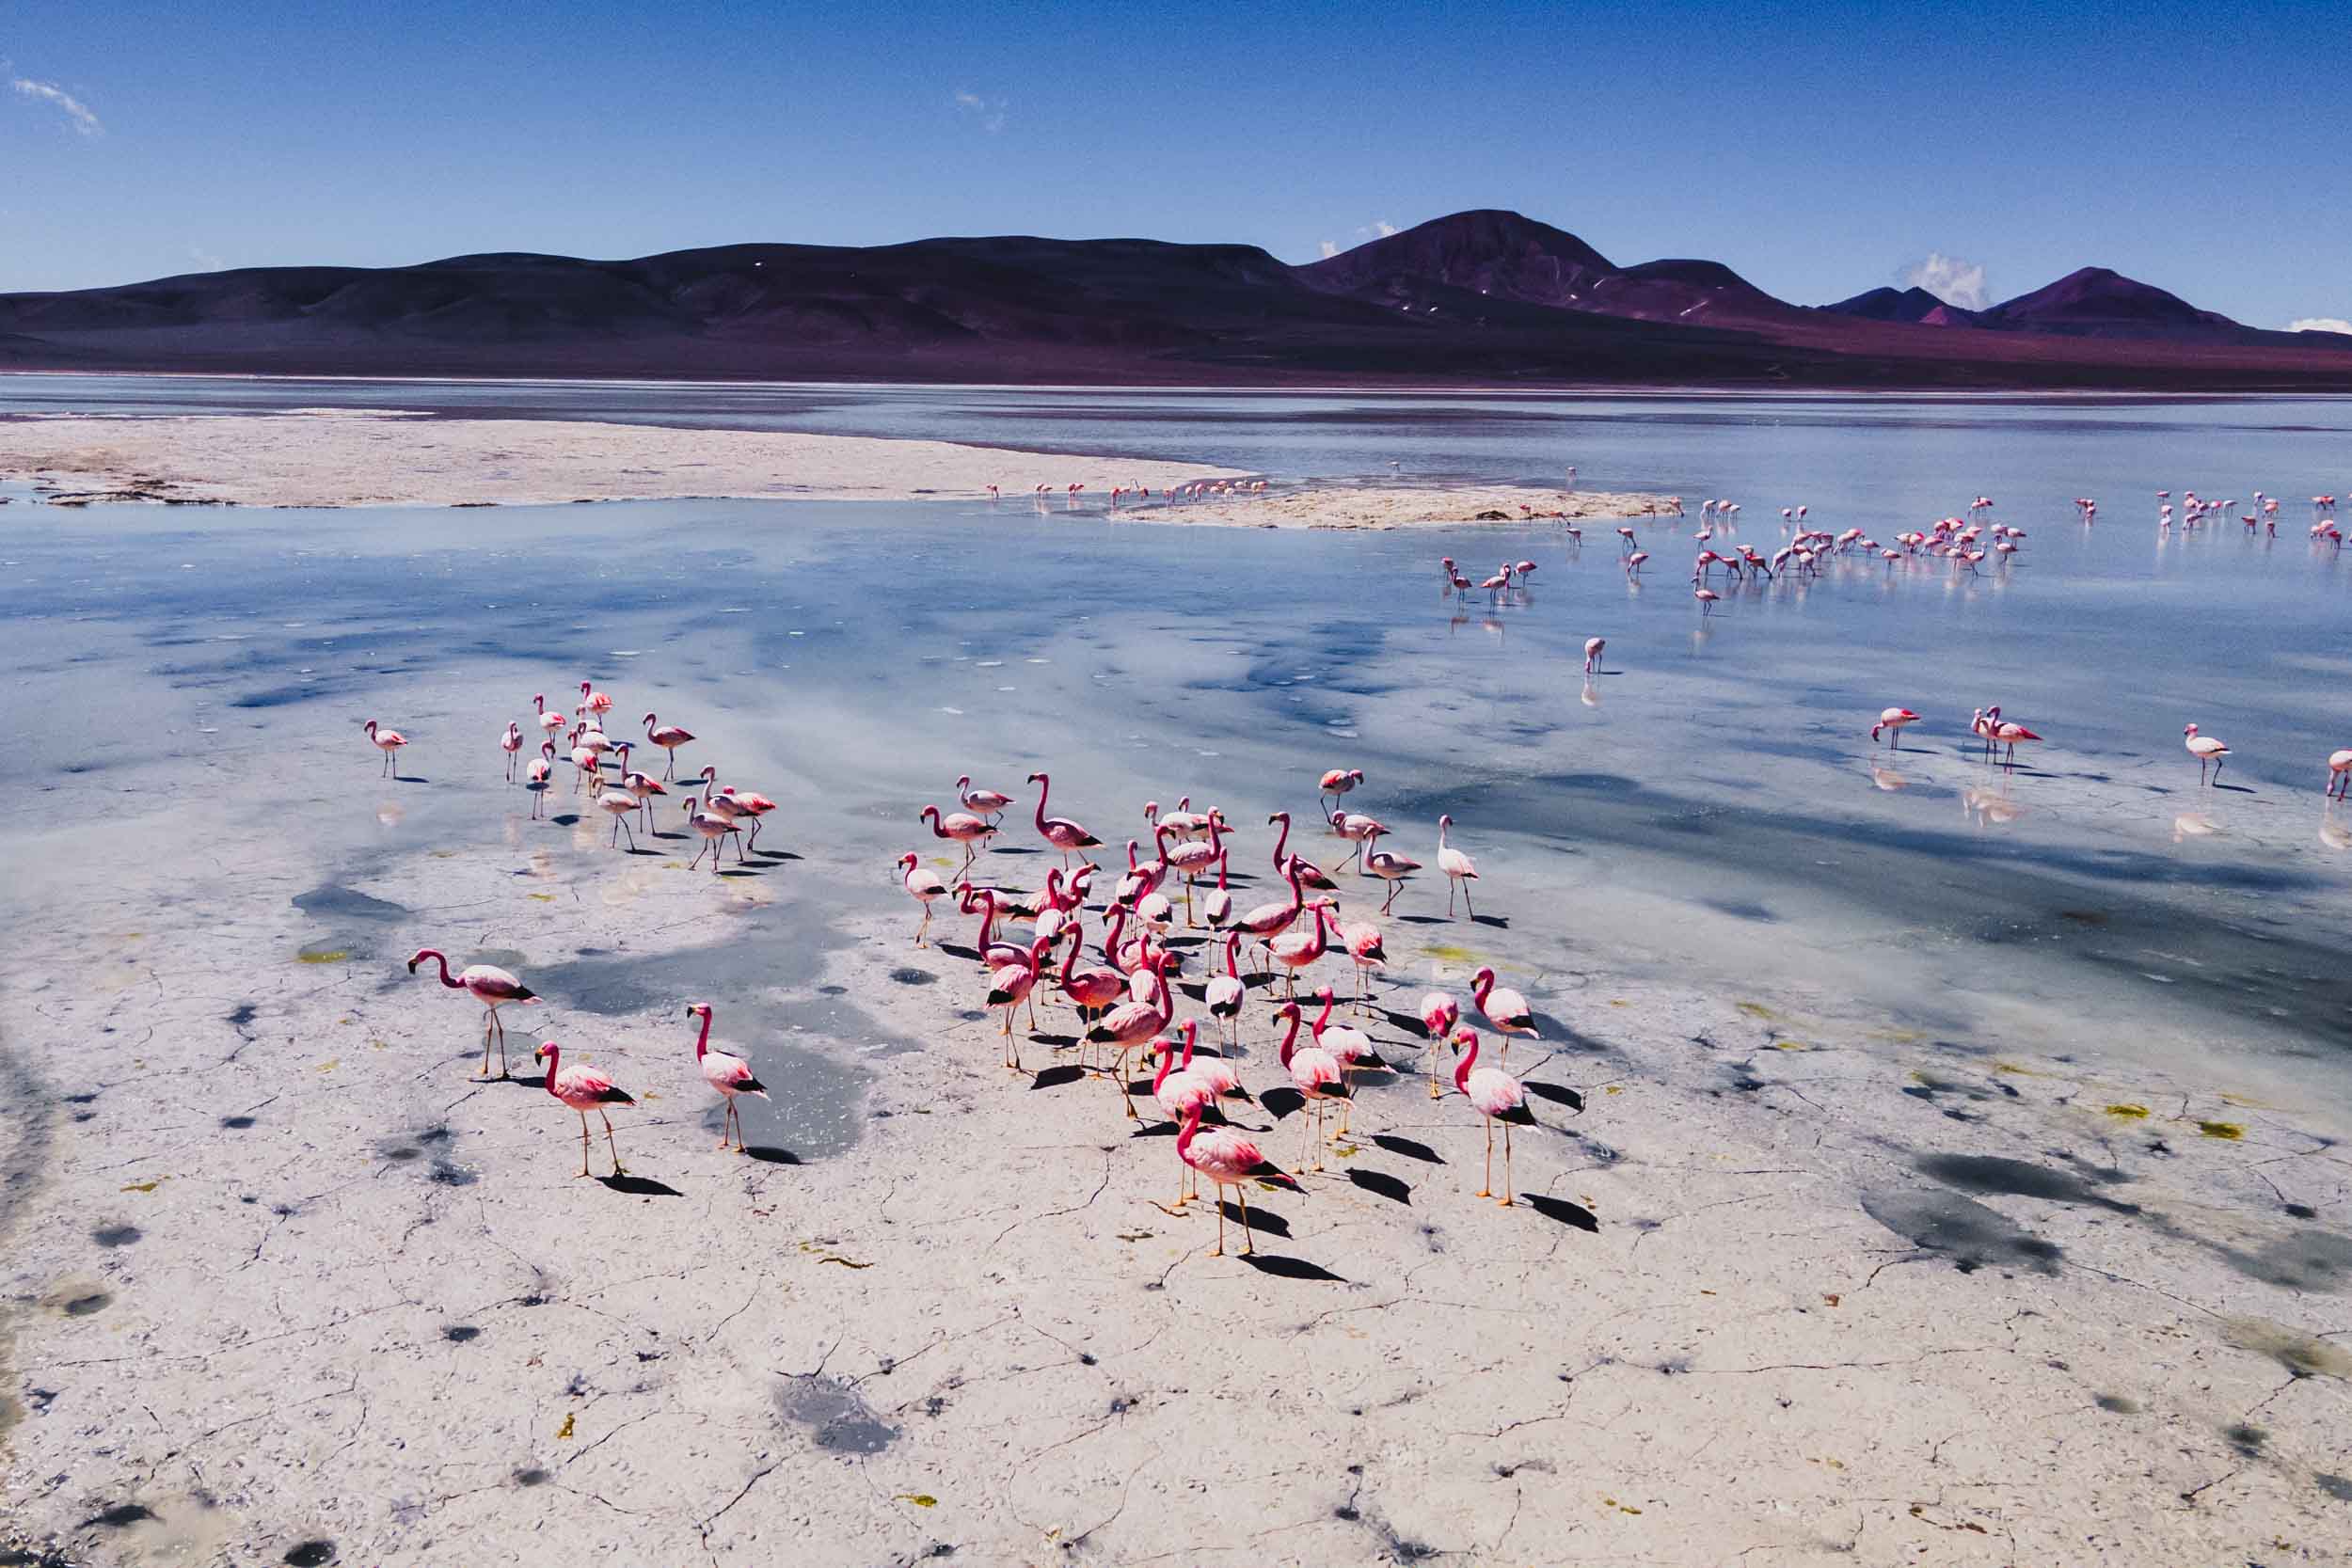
[[1709, 808]]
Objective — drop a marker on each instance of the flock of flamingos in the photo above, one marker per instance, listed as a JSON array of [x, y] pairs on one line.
[[1126, 1003]]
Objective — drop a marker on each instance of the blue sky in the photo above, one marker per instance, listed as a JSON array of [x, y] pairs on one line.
[[1819, 149]]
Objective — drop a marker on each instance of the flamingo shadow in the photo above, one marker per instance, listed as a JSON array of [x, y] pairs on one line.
[[1260, 1219], [771, 1156], [1054, 1077], [1572, 1214], [1291, 1268], [639, 1186], [1382, 1184], [1280, 1104], [1499, 922], [1557, 1094]]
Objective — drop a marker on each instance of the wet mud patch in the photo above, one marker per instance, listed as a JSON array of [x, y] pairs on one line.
[[309, 1554], [117, 1235], [2304, 1355], [837, 1420], [332, 901], [1959, 1228], [1994, 1175]]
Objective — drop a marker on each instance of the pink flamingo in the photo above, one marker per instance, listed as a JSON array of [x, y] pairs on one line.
[[1217, 908], [1295, 951], [922, 886], [1391, 867], [669, 737], [729, 1075], [1008, 988], [1224, 994], [1495, 1095], [1060, 831], [1593, 645], [593, 701], [962, 827], [1090, 990], [1349, 1046], [2205, 749], [981, 802], [549, 721], [1190, 860], [1505, 1010], [584, 1089], [510, 743], [1460, 870], [1892, 720], [1706, 598], [1358, 830], [1440, 1013], [541, 769], [1366, 951], [749, 804], [1180, 1094], [386, 741], [490, 985], [1267, 921], [1338, 780], [2005, 732], [2339, 773], [1227, 1159], [1132, 1023], [714, 829], [994, 954], [1308, 873], [620, 804], [1316, 1073]]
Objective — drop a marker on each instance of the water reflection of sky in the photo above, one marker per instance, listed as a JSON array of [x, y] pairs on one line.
[[1706, 807]]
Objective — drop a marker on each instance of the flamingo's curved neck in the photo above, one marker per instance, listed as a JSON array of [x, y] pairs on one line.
[[1168, 1065], [1184, 1139], [988, 919], [1222, 855], [1192, 1029], [1462, 1069], [552, 1064], [702, 1042], [1119, 925], [1044, 787], [1165, 1002], [1481, 985], [1442, 832], [1290, 1039], [447, 979], [1325, 1018], [1233, 947], [1280, 841], [1070, 959]]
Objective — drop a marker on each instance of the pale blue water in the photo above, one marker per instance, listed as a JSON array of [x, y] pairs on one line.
[[1712, 807]]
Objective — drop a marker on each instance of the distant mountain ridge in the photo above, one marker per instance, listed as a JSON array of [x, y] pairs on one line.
[[1487, 296]]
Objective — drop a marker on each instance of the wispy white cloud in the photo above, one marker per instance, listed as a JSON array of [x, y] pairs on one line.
[[206, 259], [78, 113], [1949, 278], [988, 113], [2320, 324], [1330, 250]]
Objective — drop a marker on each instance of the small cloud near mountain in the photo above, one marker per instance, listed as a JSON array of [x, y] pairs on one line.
[[1949, 278], [2320, 324]]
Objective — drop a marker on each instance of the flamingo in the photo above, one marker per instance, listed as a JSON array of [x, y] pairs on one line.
[[1892, 720], [510, 743], [1309, 872], [2339, 773], [549, 721], [981, 802], [644, 789], [618, 804], [1191, 859], [1131, 1024], [729, 1075], [1227, 1159], [751, 803], [1391, 867], [1593, 645], [1267, 921], [714, 829], [1505, 1010], [1459, 869], [994, 954], [1440, 1013], [1295, 951], [2204, 748], [1706, 598], [1060, 831], [541, 768], [584, 1089], [669, 737], [1218, 907], [490, 985], [922, 886], [1357, 829], [1225, 993], [1090, 990], [386, 741], [594, 702], [1348, 1045], [1364, 949], [1495, 1095], [2006, 732], [1011, 985], [1338, 780], [960, 827], [1314, 1072], [1179, 1092], [1635, 562]]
